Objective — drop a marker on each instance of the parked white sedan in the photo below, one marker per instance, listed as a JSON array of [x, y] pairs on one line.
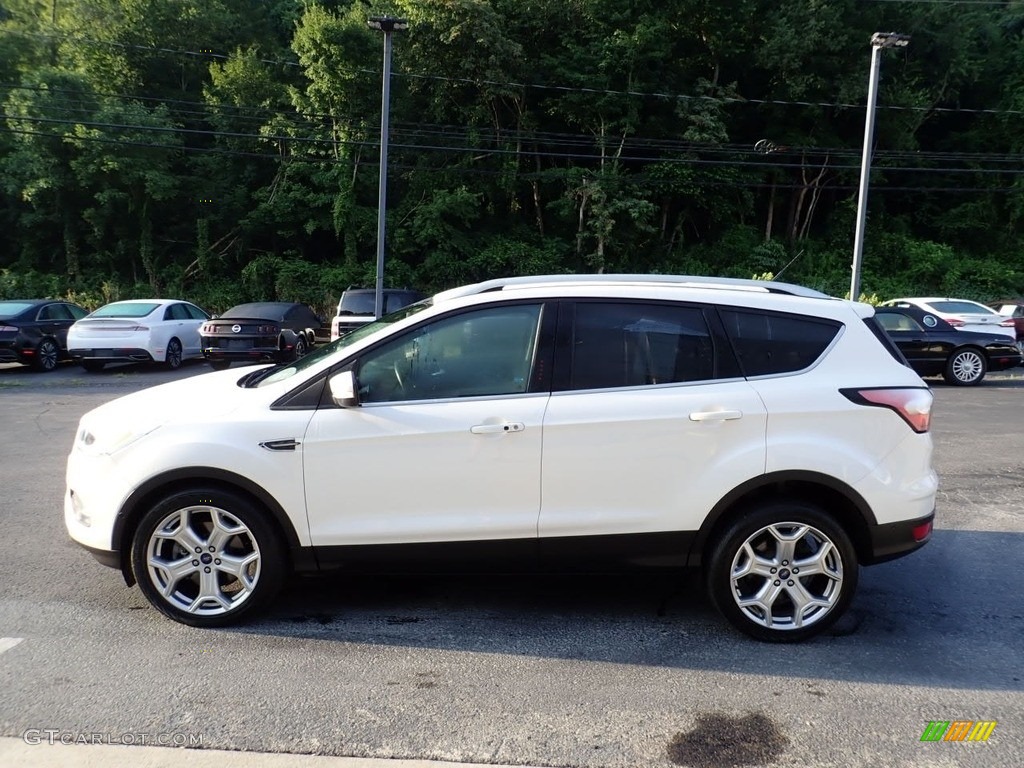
[[962, 314], [148, 331]]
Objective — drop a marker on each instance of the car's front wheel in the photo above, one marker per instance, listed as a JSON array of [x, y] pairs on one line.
[[965, 367], [782, 572], [206, 557], [220, 365]]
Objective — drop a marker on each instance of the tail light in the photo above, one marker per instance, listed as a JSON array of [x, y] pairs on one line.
[[7, 328], [913, 404], [1007, 323], [269, 329], [956, 322]]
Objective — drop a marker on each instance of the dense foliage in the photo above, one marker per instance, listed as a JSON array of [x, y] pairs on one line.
[[226, 150]]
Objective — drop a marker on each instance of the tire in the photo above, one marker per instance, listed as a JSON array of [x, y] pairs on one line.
[[752, 574], [206, 557], [219, 365], [93, 366], [172, 358], [300, 348], [47, 355], [965, 367]]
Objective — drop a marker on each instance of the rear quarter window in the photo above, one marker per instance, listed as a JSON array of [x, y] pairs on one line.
[[771, 342]]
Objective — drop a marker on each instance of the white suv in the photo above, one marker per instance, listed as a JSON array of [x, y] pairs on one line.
[[358, 306], [768, 434]]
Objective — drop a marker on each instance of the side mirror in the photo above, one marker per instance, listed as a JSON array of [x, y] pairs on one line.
[[343, 389]]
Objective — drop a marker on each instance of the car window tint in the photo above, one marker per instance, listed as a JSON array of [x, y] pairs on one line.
[[636, 344], [77, 313], [194, 312], [894, 321], [54, 312], [768, 343], [472, 354], [962, 307]]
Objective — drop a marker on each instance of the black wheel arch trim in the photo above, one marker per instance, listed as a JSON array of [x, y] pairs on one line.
[[791, 483], [302, 558]]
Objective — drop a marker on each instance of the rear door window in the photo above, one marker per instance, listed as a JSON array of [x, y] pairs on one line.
[[773, 342], [635, 344]]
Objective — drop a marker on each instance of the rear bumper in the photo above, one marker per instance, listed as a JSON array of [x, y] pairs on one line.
[[111, 355], [892, 540], [253, 354]]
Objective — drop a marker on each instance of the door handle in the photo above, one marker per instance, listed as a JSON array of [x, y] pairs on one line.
[[505, 426], [715, 415]]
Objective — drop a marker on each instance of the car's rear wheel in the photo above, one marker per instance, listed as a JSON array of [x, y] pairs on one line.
[[206, 557], [219, 365], [173, 357], [47, 353], [782, 572], [965, 367], [300, 347], [93, 366]]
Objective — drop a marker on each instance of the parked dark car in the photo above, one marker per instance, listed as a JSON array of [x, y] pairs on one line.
[[933, 347], [278, 331], [35, 331], [1015, 309]]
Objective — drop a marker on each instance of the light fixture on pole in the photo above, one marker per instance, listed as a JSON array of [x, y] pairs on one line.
[[879, 40], [387, 25]]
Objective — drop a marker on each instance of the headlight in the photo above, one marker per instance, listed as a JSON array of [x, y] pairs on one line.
[[95, 439]]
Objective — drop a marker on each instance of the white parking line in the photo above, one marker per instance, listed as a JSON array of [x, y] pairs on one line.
[[6, 643]]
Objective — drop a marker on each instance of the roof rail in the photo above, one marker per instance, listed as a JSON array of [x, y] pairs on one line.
[[693, 281]]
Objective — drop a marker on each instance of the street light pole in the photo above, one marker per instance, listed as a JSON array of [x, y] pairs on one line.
[[879, 40], [387, 25]]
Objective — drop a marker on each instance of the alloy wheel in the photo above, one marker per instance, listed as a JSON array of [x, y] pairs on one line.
[[203, 560], [46, 355], [787, 575]]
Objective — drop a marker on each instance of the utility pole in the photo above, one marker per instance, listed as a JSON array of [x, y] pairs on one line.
[[387, 25], [879, 40]]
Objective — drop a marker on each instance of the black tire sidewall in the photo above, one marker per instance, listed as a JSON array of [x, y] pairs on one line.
[[272, 566], [719, 567], [169, 360]]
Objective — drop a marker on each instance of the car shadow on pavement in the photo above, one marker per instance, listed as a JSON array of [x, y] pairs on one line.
[[945, 616]]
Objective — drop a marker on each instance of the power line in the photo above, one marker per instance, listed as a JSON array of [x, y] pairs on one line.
[[557, 88], [418, 132]]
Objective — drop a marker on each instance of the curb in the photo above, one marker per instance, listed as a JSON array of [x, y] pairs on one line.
[[16, 752]]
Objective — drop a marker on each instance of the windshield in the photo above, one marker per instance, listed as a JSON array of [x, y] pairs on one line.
[[274, 375], [126, 309], [361, 303]]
